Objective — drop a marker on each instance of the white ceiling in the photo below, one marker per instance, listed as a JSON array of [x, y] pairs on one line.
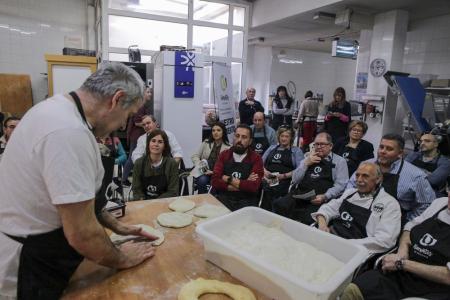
[[302, 32]]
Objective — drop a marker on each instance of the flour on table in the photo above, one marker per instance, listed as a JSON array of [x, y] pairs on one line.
[[116, 238], [276, 248], [174, 219]]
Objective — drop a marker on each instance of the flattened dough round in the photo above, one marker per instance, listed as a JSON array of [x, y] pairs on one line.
[[210, 210], [116, 238], [200, 286], [181, 205], [174, 219]]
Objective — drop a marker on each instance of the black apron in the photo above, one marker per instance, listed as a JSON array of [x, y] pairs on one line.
[[430, 244], [260, 144], [350, 155], [352, 220], [428, 168], [334, 126], [47, 261], [318, 179], [155, 185], [390, 182], [237, 200], [280, 160]]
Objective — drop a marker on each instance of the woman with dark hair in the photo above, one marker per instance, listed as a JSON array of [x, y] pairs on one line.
[[282, 108], [205, 158], [338, 116], [307, 119], [279, 163], [155, 175], [353, 148]]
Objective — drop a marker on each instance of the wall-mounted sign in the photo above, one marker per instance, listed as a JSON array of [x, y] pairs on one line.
[[184, 74]]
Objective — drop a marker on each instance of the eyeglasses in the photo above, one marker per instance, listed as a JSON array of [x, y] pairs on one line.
[[11, 126], [318, 145]]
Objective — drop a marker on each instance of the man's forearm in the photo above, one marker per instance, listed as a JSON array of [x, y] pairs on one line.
[[405, 242], [439, 274]]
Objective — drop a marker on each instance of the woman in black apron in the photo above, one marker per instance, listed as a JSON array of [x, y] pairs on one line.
[[278, 167], [282, 108], [338, 116], [353, 148], [430, 245], [155, 175]]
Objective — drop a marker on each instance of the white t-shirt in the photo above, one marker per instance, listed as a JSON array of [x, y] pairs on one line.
[[51, 159]]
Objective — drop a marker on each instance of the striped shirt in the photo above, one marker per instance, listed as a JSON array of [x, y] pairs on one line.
[[414, 192]]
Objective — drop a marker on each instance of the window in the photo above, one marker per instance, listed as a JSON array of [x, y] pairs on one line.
[[238, 16], [146, 34], [169, 8], [238, 43], [124, 57], [211, 41], [211, 12]]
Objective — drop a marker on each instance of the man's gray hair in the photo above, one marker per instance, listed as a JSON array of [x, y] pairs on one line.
[[374, 165], [327, 136], [112, 77]]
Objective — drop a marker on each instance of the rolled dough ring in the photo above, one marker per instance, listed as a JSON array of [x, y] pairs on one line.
[[209, 210], [116, 238], [181, 205], [174, 219], [200, 286]]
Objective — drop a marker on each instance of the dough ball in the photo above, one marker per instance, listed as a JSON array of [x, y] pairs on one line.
[[174, 219], [181, 205], [200, 286], [116, 238], [210, 210]]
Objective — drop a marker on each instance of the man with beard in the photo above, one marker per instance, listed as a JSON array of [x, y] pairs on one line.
[[436, 166], [321, 176], [238, 172], [405, 182]]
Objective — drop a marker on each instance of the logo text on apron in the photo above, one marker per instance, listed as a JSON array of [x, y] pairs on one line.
[[345, 154], [258, 146], [317, 170], [346, 216], [237, 175], [277, 156], [427, 240], [378, 207]]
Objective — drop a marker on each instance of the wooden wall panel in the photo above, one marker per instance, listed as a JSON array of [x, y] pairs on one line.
[[15, 94]]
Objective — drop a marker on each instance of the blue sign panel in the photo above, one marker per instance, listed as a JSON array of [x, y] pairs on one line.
[[184, 74]]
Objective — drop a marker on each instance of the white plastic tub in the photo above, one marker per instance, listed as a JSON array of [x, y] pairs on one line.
[[269, 279]]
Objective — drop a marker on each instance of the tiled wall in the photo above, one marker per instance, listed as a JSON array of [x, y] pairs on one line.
[[427, 49], [30, 28], [319, 72]]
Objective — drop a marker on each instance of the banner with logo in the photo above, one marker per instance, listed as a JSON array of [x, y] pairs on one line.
[[223, 96]]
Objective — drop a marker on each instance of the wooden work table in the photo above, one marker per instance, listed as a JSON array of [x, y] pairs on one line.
[[178, 260]]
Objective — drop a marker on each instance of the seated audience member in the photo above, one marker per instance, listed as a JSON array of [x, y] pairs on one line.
[[112, 147], [367, 215], [263, 135], [279, 163], [238, 172], [436, 166], [149, 123], [282, 108], [135, 130], [402, 180], [207, 155], [353, 148], [248, 107], [155, 175], [421, 266], [307, 119], [338, 116], [321, 176], [8, 127]]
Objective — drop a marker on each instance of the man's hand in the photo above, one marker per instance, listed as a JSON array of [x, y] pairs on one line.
[[318, 200], [231, 188], [135, 230], [225, 178], [313, 158], [266, 173], [134, 253], [322, 224], [253, 177], [388, 263], [209, 172]]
